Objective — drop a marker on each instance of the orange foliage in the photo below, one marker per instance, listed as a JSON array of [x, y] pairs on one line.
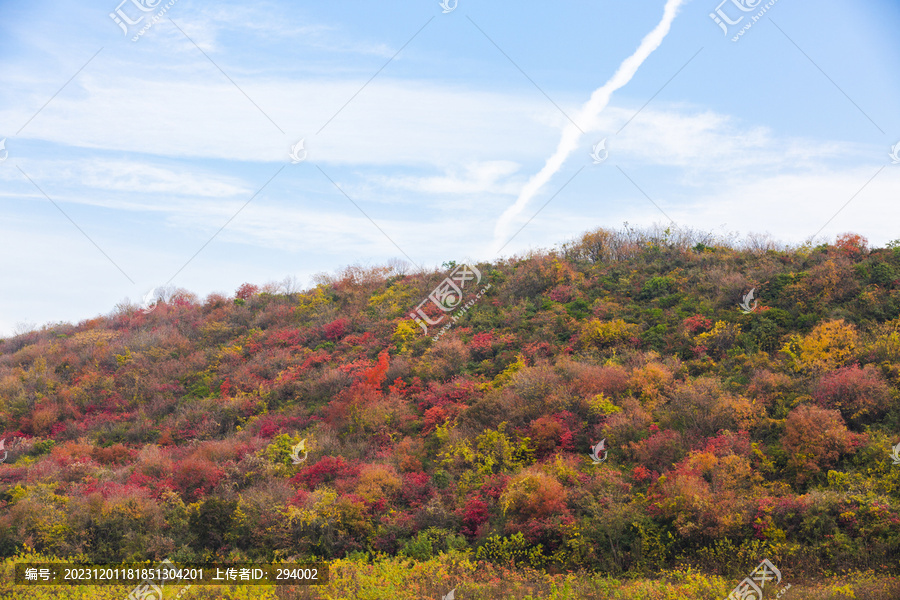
[[814, 439]]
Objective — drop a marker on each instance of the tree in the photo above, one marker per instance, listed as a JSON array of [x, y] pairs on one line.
[[814, 439], [828, 346], [246, 291], [859, 393], [210, 524]]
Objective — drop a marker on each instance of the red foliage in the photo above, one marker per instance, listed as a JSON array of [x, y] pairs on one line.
[[661, 450], [474, 515], [337, 329], [417, 489], [482, 345], [115, 454], [640, 473], [286, 338], [729, 443], [434, 416], [459, 390], [326, 470], [196, 477], [814, 439], [563, 293], [538, 350], [550, 433], [373, 378], [860, 394], [697, 323], [851, 244], [246, 291], [494, 485]]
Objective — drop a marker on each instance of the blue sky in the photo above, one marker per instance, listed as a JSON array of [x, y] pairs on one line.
[[147, 148]]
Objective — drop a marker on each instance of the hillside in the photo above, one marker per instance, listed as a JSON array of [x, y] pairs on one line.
[[730, 435]]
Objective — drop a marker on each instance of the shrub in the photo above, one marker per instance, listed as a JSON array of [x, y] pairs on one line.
[[533, 494], [474, 515], [196, 477], [378, 482], [860, 394], [211, 522], [601, 334], [660, 451], [828, 346], [337, 329], [814, 439]]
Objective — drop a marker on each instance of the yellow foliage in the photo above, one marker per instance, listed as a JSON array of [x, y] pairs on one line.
[[505, 376], [392, 302], [603, 334], [405, 332], [720, 338], [310, 303], [377, 482], [601, 406], [828, 346]]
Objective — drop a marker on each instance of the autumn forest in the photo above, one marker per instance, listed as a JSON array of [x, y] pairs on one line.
[[736, 428]]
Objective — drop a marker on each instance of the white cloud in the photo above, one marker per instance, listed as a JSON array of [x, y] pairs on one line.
[[493, 177], [199, 115]]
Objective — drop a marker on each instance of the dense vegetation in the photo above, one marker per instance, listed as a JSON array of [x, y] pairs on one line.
[[732, 436]]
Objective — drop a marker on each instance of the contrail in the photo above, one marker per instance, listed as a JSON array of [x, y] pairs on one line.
[[588, 114]]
